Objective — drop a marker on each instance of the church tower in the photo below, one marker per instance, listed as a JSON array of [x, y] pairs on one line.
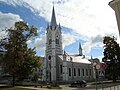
[[53, 48]]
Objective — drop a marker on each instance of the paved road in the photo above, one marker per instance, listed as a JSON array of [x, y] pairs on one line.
[[89, 87]]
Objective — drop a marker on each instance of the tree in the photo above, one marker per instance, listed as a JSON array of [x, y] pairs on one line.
[[111, 57], [19, 60]]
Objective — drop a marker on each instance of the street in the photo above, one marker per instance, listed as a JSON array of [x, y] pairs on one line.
[[89, 87]]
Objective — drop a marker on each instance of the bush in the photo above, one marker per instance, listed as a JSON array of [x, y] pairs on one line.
[[54, 86]]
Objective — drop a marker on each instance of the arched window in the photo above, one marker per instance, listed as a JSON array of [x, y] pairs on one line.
[[86, 72], [69, 71], [74, 72], [50, 41], [83, 72], [57, 41], [61, 69], [90, 72], [78, 71]]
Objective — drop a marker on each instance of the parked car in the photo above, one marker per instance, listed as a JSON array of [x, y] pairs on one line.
[[81, 83]]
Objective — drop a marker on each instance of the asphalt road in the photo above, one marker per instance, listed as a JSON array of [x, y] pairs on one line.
[[89, 87]]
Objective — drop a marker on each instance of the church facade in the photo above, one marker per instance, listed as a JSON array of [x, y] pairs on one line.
[[60, 66]]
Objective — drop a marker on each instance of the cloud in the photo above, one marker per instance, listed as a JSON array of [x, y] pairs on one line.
[[40, 43], [7, 20], [93, 42], [91, 19], [69, 38]]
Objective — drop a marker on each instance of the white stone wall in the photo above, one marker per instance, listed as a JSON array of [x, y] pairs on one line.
[[76, 66], [65, 71]]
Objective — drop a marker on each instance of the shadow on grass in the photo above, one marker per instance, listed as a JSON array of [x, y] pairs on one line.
[[13, 88]]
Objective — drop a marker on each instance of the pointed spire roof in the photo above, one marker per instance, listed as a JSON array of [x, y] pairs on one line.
[[64, 52], [59, 25], [91, 57], [80, 49], [80, 46], [53, 19], [91, 60]]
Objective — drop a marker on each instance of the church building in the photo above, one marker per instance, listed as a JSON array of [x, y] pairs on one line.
[[60, 66]]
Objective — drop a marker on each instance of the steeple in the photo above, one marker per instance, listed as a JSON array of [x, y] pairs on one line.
[[59, 26], [91, 60], [80, 49], [53, 19]]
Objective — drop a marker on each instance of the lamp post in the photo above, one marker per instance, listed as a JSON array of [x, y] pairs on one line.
[[72, 69], [96, 67]]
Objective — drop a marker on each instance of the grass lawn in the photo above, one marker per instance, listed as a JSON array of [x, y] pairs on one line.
[[15, 88]]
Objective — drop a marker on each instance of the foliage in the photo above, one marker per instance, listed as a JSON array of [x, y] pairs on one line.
[[35, 77], [111, 57], [19, 60], [54, 86]]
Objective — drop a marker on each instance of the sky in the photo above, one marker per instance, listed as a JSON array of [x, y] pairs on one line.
[[84, 21]]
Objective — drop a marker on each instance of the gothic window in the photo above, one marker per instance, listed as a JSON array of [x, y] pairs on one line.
[[78, 71], [90, 72], [50, 41], [86, 72], [57, 41], [83, 72], [61, 69], [74, 72], [69, 71]]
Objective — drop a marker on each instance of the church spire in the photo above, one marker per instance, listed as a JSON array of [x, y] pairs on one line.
[[80, 49], [53, 19]]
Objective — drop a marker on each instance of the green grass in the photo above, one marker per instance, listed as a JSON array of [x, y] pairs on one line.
[[15, 88]]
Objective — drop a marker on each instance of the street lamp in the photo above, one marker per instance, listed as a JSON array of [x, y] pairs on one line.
[[72, 67], [96, 67]]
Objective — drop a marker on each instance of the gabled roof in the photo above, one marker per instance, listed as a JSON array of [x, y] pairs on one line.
[[77, 59]]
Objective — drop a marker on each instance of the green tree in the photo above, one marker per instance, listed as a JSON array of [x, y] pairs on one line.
[[19, 60], [111, 57]]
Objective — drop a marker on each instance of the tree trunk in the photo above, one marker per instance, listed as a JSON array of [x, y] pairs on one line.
[[13, 80], [114, 73]]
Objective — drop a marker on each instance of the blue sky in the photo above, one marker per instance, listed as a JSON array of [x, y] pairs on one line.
[[85, 21]]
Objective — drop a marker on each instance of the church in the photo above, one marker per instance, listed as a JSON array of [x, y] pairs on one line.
[[58, 65]]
